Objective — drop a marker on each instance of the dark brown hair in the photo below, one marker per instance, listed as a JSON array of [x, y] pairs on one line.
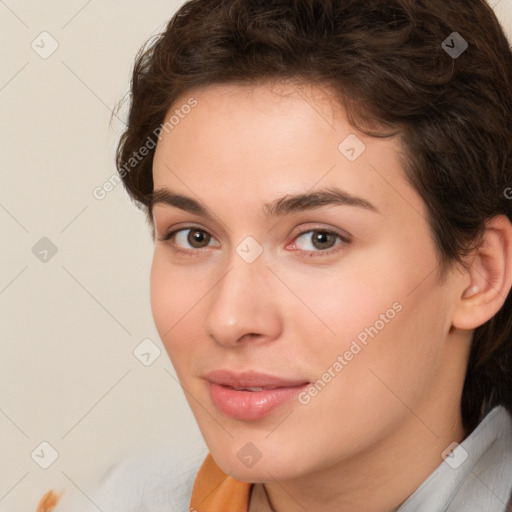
[[386, 63]]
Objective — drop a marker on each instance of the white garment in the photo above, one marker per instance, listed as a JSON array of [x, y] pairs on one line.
[[481, 483]]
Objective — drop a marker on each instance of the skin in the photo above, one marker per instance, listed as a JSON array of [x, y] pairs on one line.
[[378, 429]]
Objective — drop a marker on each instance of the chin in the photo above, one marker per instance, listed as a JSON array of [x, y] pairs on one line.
[[274, 464]]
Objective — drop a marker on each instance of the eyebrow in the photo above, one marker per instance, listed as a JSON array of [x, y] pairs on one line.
[[331, 196]]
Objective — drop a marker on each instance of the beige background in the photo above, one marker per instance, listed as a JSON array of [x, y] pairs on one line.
[[70, 323]]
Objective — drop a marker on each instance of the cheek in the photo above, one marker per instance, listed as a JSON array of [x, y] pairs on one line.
[[162, 296], [340, 303], [381, 311], [388, 349], [172, 298]]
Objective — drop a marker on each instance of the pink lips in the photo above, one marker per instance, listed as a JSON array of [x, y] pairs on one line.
[[250, 395]]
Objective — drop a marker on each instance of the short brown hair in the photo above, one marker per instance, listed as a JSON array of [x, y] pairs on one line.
[[386, 62]]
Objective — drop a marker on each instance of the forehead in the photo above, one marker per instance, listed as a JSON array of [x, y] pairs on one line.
[[253, 142]]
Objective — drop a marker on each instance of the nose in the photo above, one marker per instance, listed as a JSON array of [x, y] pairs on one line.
[[243, 305]]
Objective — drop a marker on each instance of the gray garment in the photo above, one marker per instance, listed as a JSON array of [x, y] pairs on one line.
[[158, 481], [482, 482]]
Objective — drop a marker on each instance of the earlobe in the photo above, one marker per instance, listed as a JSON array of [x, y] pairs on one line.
[[490, 276]]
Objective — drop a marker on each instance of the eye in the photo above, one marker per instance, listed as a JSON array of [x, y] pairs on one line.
[[318, 240], [188, 239]]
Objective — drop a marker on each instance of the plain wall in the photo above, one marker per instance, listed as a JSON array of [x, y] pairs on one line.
[[71, 320]]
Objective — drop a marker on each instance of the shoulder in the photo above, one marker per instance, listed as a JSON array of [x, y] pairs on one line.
[[157, 481]]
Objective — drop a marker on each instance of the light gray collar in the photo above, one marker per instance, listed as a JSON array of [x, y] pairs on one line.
[[478, 475]]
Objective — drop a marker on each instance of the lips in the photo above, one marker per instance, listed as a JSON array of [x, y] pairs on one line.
[[250, 395], [251, 380]]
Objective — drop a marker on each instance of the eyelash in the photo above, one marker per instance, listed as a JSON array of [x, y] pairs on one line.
[[316, 253]]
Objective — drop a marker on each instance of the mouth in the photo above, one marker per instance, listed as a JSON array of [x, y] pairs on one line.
[[250, 396]]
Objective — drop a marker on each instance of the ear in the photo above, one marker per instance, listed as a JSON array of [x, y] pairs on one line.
[[489, 274]]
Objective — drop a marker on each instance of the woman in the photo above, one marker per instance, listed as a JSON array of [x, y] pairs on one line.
[[330, 197]]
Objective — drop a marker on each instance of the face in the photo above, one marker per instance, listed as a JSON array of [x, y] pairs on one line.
[[295, 289]]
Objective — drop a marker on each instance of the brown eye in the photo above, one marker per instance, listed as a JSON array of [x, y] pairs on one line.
[[197, 238], [190, 240], [323, 239], [319, 240]]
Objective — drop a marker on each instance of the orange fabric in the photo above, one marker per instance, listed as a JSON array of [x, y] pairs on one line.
[[49, 501], [214, 491]]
